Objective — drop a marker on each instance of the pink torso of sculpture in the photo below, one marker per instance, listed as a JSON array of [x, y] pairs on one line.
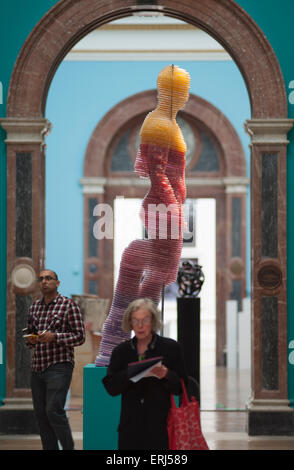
[[166, 169]]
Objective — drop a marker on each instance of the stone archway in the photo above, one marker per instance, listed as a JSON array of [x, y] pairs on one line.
[[51, 39], [228, 188]]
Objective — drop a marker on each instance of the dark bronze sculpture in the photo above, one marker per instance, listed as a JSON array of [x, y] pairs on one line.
[[190, 279]]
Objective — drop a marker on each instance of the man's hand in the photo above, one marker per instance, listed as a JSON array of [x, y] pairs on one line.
[[46, 336], [32, 339]]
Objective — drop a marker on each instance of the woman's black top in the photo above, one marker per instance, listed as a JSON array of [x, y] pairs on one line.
[[145, 404]]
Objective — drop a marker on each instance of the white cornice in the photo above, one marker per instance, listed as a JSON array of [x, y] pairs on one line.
[[268, 131], [96, 185], [235, 183], [146, 42], [151, 19], [93, 185], [27, 131], [142, 56]]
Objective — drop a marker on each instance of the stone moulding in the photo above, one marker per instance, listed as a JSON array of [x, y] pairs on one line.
[[25, 131]]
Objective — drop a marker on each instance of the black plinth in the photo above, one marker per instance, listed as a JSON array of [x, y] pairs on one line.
[[18, 419], [188, 309], [266, 423]]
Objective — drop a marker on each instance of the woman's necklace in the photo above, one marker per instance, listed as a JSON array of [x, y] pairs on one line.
[[141, 350]]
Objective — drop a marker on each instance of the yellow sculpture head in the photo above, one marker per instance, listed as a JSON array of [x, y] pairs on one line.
[[173, 88]]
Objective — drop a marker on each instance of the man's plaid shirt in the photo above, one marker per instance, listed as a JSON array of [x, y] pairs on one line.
[[63, 317]]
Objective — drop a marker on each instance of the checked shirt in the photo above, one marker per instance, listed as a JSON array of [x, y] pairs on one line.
[[63, 317]]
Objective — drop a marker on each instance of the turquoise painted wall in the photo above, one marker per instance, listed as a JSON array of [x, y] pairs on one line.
[[80, 95], [17, 19]]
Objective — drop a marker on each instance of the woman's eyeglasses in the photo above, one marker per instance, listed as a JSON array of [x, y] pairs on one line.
[[45, 278], [144, 321]]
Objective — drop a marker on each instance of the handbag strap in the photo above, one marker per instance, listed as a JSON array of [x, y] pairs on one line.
[[185, 395], [173, 402]]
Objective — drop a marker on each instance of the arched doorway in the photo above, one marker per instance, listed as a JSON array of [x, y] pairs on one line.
[[216, 169], [26, 127]]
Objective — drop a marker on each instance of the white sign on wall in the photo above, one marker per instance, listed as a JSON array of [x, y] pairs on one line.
[[291, 94], [291, 355]]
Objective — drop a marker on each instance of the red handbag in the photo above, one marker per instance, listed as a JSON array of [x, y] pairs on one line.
[[183, 425]]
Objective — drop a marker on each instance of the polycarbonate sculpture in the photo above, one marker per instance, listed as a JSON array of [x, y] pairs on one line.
[[147, 265]]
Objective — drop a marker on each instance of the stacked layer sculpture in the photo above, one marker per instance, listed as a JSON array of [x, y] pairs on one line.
[[148, 264]]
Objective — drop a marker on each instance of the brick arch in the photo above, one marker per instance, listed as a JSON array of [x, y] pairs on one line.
[[55, 34], [110, 125], [141, 103], [68, 21]]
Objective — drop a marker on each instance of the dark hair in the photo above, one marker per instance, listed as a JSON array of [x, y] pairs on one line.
[[53, 272]]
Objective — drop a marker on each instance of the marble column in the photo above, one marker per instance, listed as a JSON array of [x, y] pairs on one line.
[[25, 257], [93, 191], [236, 241], [269, 412]]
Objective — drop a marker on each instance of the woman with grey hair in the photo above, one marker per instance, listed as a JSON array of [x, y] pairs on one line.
[[145, 404]]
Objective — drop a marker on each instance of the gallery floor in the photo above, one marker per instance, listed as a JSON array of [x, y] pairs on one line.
[[224, 395]]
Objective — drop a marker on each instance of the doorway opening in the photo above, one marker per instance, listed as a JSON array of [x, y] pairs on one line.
[[200, 248]]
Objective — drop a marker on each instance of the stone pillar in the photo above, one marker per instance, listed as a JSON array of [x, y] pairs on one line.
[[236, 239], [93, 191], [25, 258], [268, 409]]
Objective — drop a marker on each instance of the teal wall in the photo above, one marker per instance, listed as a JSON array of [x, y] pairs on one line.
[[17, 19]]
